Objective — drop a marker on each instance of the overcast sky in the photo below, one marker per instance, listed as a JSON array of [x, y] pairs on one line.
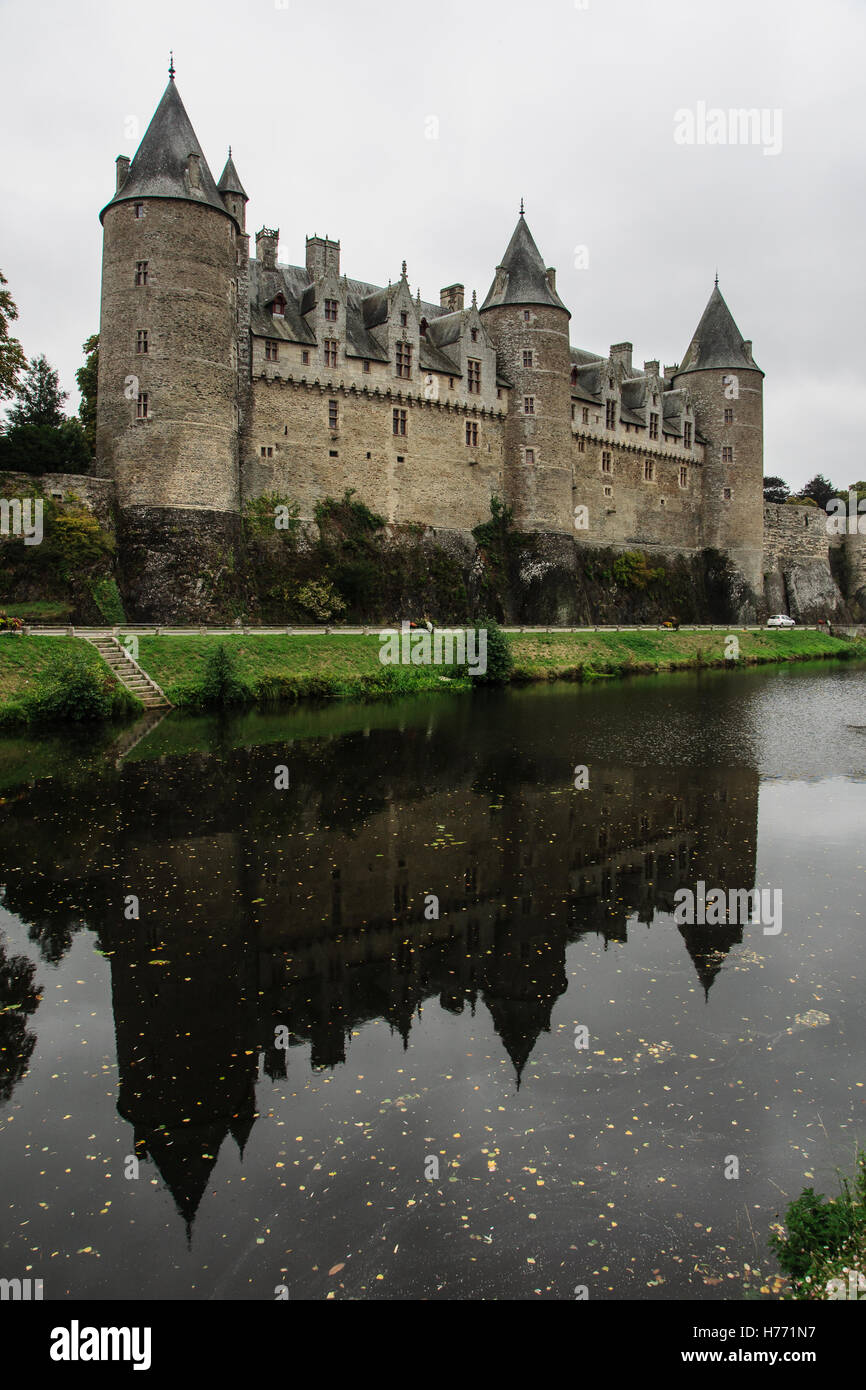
[[571, 104]]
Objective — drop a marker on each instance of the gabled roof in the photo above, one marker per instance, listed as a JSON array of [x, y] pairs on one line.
[[160, 166], [521, 277], [229, 181], [718, 341]]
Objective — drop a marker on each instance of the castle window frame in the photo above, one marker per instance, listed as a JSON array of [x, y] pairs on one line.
[[401, 422], [473, 333], [729, 415], [727, 494], [278, 307], [584, 415], [141, 340], [329, 349], [608, 491], [606, 461], [333, 416], [684, 475], [473, 376], [272, 350], [649, 471], [471, 434], [529, 457], [138, 211], [267, 451], [527, 357], [526, 316], [610, 415], [404, 319], [581, 446], [142, 406], [305, 357], [687, 434], [653, 425], [727, 453], [141, 272], [331, 307], [366, 365], [529, 405], [403, 361]]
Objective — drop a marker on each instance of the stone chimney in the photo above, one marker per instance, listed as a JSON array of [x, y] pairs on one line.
[[122, 166], [322, 255], [621, 352], [451, 298], [193, 168], [267, 241], [651, 368], [551, 278], [747, 349]]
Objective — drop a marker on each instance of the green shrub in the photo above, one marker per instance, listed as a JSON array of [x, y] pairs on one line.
[[73, 689], [221, 685], [320, 598], [106, 596], [500, 659], [821, 1233]]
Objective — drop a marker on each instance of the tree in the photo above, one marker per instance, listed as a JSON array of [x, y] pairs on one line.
[[39, 397], [41, 449], [820, 489], [86, 377], [12, 359], [776, 490]]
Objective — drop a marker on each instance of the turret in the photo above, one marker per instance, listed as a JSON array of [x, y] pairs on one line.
[[231, 191], [528, 323], [167, 414], [726, 386]]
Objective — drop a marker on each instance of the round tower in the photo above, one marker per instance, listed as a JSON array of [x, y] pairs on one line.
[[727, 387], [528, 325], [167, 416]]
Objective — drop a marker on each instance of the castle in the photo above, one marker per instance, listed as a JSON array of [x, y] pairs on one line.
[[223, 378]]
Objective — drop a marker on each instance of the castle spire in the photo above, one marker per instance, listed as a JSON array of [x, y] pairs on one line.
[[717, 341], [171, 66], [522, 277]]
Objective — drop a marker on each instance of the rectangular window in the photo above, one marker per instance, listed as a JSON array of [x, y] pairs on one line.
[[727, 454], [726, 494], [330, 347], [605, 461], [332, 415], [404, 360], [684, 477], [400, 422], [141, 406], [585, 415], [729, 414], [141, 272], [404, 320], [331, 310], [471, 433], [305, 358], [610, 415], [139, 209], [473, 377], [687, 434], [529, 405], [529, 456], [272, 350], [526, 316], [474, 334], [366, 366], [267, 451], [648, 471], [141, 340], [653, 426], [581, 446], [608, 492], [527, 357]]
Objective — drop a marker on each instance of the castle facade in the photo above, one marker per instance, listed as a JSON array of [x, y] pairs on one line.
[[224, 377]]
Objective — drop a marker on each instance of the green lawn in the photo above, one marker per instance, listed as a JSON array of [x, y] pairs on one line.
[[563, 653], [22, 658]]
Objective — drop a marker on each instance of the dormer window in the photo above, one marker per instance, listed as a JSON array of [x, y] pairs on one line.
[[331, 310], [610, 415], [423, 328], [404, 319], [272, 350], [278, 306], [473, 377], [687, 434], [474, 332], [653, 427], [404, 360]]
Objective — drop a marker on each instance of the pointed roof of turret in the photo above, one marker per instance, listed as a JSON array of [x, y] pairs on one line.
[[718, 341], [229, 181], [160, 168], [521, 277]]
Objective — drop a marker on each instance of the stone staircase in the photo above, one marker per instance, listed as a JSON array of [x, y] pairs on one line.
[[129, 673]]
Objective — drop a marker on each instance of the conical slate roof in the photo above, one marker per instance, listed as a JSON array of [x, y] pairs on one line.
[[521, 277], [229, 181], [718, 341], [160, 169]]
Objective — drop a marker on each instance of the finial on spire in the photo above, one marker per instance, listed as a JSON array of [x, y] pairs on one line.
[[404, 270], [171, 66], [717, 279], [230, 151], [474, 300], [521, 207]]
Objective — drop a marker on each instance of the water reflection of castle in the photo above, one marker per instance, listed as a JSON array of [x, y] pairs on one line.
[[307, 908]]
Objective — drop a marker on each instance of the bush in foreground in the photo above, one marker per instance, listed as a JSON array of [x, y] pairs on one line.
[[74, 690], [824, 1238]]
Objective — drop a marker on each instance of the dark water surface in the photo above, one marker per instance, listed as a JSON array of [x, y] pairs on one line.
[[302, 916]]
